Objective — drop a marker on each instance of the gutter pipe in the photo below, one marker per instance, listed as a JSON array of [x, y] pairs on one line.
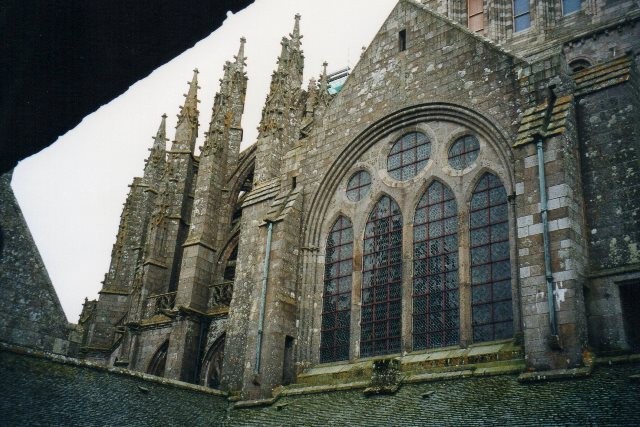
[[554, 339], [545, 236]]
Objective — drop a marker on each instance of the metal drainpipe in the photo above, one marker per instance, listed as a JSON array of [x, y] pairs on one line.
[[545, 236], [263, 297]]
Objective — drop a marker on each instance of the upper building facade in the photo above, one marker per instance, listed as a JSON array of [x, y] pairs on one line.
[[473, 181]]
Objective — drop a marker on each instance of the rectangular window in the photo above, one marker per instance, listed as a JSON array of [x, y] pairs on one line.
[[402, 40], [476, 15], [570, 6], [521, 15]]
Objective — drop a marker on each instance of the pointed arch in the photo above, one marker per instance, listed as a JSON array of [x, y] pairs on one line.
[[491, 305], [436, 313], [212, 366], [159, 360], [382, 280], [336, 307]]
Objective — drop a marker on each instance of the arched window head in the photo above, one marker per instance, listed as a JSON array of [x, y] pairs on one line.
[[579, 65], [336, 308], [213, 363], [408, 156], [358, 185], [491, 308], [382, 280], [463, 152], [436, 314], [159, 360]]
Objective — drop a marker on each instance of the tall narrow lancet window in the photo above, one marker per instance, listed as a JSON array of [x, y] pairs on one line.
[[436, 311], [521, 15], [491, 310], [475, 14], [336, 312], [382, 280]]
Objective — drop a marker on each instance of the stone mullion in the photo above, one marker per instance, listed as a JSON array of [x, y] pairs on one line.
[[356, 293], [464, 275], [407, 285]]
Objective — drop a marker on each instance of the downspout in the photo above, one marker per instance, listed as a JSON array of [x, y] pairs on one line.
[[554, 340], [263, 297]]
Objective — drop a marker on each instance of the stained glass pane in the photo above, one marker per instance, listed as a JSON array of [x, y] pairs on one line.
[[463, 152], [336, 309], [359, 185], [382, 280], [435, 283], [492, 313], [408, 156]]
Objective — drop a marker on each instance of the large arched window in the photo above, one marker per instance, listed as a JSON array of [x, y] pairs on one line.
[[213, 364], [382, 280], [336, 312], [435, 276], [491, 309], [159, 360]]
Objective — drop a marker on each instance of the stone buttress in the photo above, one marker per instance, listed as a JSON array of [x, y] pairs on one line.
[[263, 309], [127, 254], [210, 222]]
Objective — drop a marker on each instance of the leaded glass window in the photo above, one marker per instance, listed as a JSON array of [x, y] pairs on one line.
[[336, 310], [491, 309], [464, 152], [358, 185], [408, 156], [436, 314], [382, 280]]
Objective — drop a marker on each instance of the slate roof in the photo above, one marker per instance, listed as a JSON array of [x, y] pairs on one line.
[[41, 391], [603, 75], [534, 120]]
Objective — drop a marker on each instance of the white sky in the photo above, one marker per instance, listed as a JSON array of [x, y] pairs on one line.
[[72, 192]]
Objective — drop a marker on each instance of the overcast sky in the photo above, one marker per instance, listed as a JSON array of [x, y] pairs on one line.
[[72, 192]]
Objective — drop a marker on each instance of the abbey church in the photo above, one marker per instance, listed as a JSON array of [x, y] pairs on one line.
[[468, 193]]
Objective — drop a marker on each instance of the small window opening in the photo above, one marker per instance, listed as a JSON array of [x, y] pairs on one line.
[[521, 15], [402, 40], [294, 182], [629, 297], [579, 65], [475, 14], [287, 362], [571, 6]]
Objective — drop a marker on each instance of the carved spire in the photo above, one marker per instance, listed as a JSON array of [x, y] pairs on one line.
[[286, 82], [189, 111], [228, 103], [312, 97], [295, 36], [324, 85], [157, 158], [240, 58]]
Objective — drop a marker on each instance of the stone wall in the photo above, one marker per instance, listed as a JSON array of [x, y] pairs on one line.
[[30, 312]]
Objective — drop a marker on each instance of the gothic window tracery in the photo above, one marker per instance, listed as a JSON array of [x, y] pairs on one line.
[[436, 320], [336, 313], [492, 315], [432, 317], [382, 280]]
